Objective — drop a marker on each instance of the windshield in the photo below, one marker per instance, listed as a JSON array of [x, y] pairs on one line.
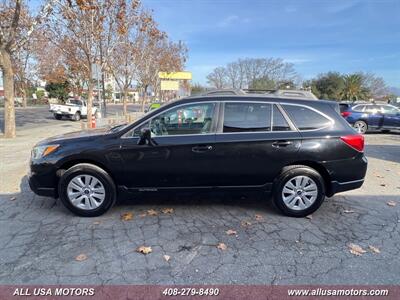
[[118, 127], [75, 102]]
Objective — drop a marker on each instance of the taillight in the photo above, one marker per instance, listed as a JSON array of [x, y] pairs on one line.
[[355, 141], [345, 114]]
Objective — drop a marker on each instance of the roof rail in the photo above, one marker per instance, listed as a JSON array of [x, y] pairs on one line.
[[292, 94]]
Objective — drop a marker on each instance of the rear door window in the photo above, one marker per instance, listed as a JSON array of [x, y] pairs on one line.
[[247, 117], [305, 118]]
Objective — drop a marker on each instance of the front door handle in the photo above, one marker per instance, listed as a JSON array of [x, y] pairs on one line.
[[279, 144], [200, 149]]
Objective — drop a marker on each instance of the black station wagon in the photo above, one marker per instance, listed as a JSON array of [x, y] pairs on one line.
[[297, 150]]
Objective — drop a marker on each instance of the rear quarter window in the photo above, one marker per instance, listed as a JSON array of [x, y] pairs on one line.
[[306, 118]]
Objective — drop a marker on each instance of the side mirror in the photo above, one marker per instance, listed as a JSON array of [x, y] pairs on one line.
[[145, 137]]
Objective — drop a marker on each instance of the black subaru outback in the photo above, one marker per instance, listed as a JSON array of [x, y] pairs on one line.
[[298, 150]]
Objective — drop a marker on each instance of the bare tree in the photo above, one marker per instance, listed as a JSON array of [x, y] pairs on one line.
[[376, 85], [217, 78], [156, 53], [248, 72], [123, 61], [90, 26], [14, 34]]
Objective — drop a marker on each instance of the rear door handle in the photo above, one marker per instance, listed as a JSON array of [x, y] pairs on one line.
[[279, 144], [200, 149]]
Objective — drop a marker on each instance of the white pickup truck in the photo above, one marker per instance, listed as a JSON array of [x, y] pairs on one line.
[[73, 109]]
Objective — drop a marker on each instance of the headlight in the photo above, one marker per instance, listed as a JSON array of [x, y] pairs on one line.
[[42, 151]]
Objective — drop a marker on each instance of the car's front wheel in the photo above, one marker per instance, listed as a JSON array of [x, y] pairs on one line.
[[87, 190], [361, 127], [299, 191], [57, 116], [76, 116]]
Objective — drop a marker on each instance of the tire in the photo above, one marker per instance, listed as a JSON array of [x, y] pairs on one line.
[[77, 116], [308, 196], [92, 198], [57, 116], [361, 126]]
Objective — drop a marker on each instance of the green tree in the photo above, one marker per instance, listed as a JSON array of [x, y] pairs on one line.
[[109, 92], [263, 83], [328, 86], [58, 90], [354, 88]]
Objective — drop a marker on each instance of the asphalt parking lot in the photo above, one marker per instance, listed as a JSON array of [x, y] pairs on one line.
[[41, 242], [38, 116]]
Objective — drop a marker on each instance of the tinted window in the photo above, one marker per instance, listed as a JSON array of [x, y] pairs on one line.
[[279, 123], [372, 109], [305, 118], [186, 119], [247, 117], [388, 109], [359, 108], [343, 107]]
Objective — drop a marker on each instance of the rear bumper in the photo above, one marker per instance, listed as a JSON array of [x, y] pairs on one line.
[[337, 187], [346, 174]]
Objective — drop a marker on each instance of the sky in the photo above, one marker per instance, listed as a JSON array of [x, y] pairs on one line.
[[315, 35]]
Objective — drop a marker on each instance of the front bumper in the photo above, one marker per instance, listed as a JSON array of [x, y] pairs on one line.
[[40, 190]]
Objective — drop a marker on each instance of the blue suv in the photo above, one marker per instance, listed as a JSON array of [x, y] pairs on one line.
[[367, 117]]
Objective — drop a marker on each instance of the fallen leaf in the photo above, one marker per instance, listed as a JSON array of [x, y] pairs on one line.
[[356, 249], [374, 249], [379, 176], [348, 211], [309, 217], [168, 210], [81, 257], [13, 198], [382, 184], [231, 232], [144, 250], [96, 222], [259, 217], [222, 246], [127, 216], [142, 215], [245, 223], [167, 258], [152, 212], [391, 203]]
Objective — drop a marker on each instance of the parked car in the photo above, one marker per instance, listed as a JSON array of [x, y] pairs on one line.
[[367, 117], [74, 109], [297, 150]]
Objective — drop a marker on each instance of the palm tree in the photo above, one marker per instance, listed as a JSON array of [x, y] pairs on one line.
[[354, 88]]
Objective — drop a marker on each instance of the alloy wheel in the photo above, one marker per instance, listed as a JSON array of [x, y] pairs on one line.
[[86, 192], [361, 127], [299, 192]]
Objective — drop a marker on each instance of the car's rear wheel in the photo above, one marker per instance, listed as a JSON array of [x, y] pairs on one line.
[[299, 191], [87, 190], [361, 127], [57, 116]]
